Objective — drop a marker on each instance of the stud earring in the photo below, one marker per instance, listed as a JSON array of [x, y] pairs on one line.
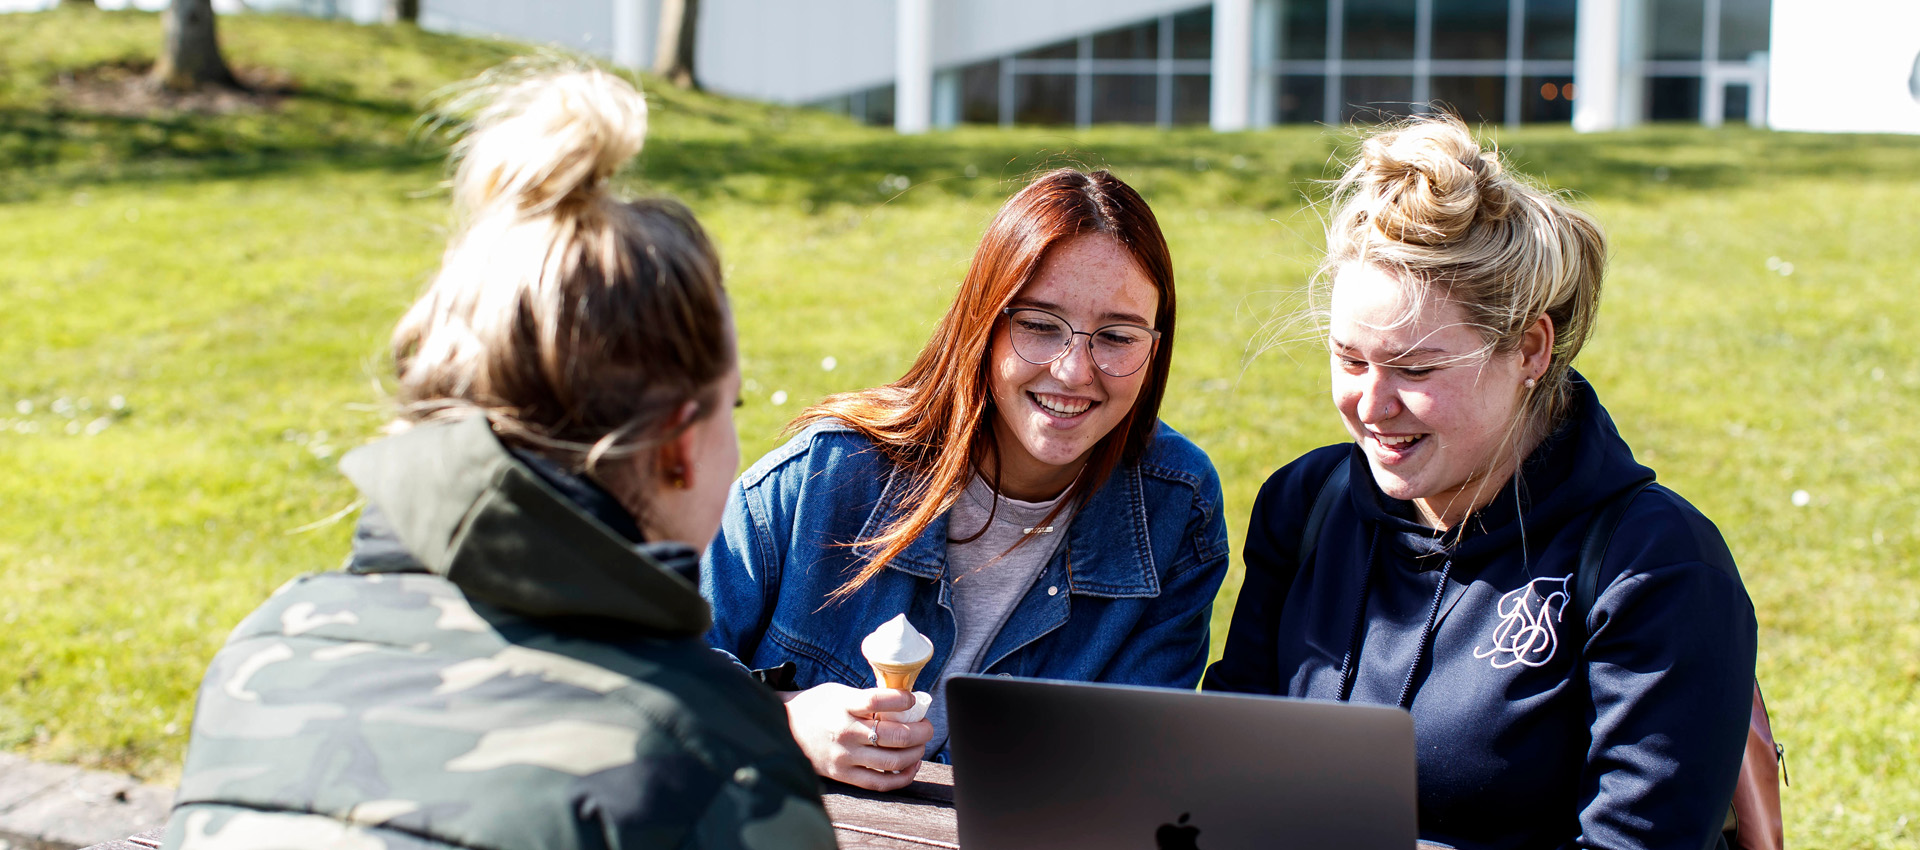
[[678, 478], [1530, 383]]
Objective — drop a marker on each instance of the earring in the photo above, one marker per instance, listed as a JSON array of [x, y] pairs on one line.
[[678, 478], [1530, 383]]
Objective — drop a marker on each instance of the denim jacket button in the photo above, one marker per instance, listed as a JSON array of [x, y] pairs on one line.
[[1053, 590]]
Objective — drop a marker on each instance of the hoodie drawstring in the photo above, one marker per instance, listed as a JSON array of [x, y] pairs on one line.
[[1350, 664]]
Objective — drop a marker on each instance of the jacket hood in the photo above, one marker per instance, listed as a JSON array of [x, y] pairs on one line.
[[1581, 465], [460, 505]]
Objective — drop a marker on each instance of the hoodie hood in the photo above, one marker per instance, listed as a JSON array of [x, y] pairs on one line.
[[1582, 464], [450, 499]]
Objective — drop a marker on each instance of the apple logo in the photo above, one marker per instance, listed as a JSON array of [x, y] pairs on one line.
[[1180, 837]]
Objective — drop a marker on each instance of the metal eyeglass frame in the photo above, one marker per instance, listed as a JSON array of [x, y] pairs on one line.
[[1153, 334]]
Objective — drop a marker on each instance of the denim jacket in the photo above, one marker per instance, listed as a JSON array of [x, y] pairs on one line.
[[1126, 598]]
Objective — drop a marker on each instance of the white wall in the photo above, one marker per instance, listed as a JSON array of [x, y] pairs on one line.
[[583, 25], [794, 52], [1844, 66]]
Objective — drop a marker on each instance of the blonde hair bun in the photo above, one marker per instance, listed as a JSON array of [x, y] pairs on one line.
[[1431, 181], [1425, 202], [545, 141]]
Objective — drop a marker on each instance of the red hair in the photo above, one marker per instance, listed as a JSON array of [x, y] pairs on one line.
[[933, 421]]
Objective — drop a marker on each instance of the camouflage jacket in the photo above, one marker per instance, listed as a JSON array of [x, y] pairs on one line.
[[495, 668]]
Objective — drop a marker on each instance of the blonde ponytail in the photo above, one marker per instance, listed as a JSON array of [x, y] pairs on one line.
[[576, 322]]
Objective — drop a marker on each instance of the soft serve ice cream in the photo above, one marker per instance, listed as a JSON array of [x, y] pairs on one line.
[[897, 651]]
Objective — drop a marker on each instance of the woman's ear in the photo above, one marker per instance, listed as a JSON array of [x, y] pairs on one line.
[[674, 458], [1536, 348]]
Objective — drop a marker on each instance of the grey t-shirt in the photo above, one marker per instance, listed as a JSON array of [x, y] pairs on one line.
[[989, 576]]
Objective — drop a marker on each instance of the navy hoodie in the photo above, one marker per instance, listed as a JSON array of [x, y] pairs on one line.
[[1532, 732]]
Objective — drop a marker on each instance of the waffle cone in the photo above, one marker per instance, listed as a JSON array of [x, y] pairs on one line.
[[897, 676]]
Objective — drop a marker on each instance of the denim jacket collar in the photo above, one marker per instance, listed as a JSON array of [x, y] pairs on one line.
[[1116, 511]]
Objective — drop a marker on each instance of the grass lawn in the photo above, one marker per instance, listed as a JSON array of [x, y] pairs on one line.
[[193, 312]]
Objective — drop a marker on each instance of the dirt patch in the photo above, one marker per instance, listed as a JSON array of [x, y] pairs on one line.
[[122, 89]]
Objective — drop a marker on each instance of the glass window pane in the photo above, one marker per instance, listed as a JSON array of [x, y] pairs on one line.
[[1192, 98], [1739, 100], [1474, 99], [1043, 98], [1058, 50], [1379, 29], [1126, 98], [1546, 99], [1193, 34], [1673, 98], [1744, 25], [879, 106], [1470, 29], [1549, 29], [1135, 42], [1371, 99], [1302, 99], [1677, 27], [980, 92], [1303, 33]]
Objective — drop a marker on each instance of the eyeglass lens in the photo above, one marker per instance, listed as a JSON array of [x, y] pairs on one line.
[[1040, 337]]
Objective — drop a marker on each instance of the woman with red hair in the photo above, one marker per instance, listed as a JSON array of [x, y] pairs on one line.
[[1014, 494]]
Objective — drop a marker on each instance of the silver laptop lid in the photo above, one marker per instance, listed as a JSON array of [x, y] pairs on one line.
[[1045, 764]]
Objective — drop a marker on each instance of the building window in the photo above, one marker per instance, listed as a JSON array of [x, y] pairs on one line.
[[1193, 34], [1744, 26], [1379, 29], [1125, 98], [1192, 98], [1677, 29], [1302, 99], [1044, 99], [1549, 30], [1470, 29], [1368, 100], [1480, 100], [1136, 42], [1303, 30], [1673, 98], [980, 92], [1547, 98]]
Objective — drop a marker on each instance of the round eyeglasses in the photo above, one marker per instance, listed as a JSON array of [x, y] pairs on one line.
[[1040, 338]]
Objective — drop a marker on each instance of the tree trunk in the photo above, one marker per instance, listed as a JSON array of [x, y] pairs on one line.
[[190, 56], [403, 11], [673, 57]]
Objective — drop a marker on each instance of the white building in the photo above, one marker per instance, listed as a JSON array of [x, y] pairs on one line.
[[1601, 64]]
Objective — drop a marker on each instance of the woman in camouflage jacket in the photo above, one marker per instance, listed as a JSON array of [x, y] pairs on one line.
[[512, 656]]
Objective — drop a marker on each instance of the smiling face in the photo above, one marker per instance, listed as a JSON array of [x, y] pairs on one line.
[[1434, 411], [1047, 419]]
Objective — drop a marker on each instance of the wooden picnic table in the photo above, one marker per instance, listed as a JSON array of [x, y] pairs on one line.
[[912, 818]]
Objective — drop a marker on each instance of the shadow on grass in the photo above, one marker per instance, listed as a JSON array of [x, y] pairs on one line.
[[707, 148]]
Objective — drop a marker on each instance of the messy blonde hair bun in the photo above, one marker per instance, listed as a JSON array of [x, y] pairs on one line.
[[1425, 202], [540, 140], [578, 323]]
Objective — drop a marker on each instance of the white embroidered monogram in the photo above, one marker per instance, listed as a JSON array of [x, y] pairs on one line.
[[1527, 632]]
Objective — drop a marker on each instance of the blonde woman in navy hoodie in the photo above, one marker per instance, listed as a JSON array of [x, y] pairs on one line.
[[1437, 572]]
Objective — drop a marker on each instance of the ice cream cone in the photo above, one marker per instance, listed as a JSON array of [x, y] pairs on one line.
[[896, 676], [896, 651]]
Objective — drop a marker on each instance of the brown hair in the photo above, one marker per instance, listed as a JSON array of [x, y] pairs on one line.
[[933, 422], [1425, 202], [578, 324]]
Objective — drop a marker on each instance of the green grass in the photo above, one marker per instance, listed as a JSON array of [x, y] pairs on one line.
[[232, 280]]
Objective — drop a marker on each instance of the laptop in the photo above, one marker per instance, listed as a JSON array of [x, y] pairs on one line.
[[1047, 764]]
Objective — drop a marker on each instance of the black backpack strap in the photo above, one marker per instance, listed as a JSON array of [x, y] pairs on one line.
[[1330, 489], [1593, 550]]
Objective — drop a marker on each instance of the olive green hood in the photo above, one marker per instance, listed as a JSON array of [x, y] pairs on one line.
[[465, 508]]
